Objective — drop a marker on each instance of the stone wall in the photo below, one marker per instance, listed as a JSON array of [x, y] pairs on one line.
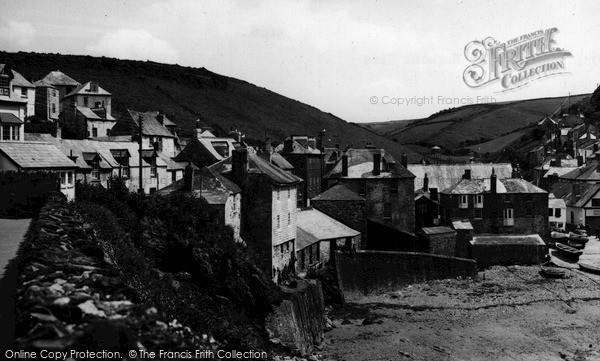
[[375, 272], [69, 297], [298, 322]]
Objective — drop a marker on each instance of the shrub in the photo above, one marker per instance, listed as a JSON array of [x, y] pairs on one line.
[[22, 194]]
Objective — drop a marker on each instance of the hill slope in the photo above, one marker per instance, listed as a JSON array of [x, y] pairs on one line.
[[472, 124], [196, 93]]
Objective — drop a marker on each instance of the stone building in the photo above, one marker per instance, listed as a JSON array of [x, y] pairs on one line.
[[345, 206], [63, 83], [157, 130], [47, 102], [386, 185], [269, 212], [302, 153], [510, 205]]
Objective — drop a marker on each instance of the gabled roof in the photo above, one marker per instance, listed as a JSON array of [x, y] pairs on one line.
[[210, 185], [166, 121], [443, 176], [280, 161], [86, 89], [202, 152], [556, 203], [360, 165], [59, 78], [35, 155], [89, 114], [565, 191], [296, 148], [43, 84], [314, 226], [438, 230], [478, 186], [18, 79], [9, 118], [338, 193], [586, 173], [127, 124]]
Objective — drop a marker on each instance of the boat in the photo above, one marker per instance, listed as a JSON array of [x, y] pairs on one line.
[[574, 237], [589, 267], [558, 235], [568, 251], [552, 272], [575, 244], [581, 232]]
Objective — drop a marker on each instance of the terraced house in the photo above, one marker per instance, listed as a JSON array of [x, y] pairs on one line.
[[86, 112], [493, 205], [17, 97]]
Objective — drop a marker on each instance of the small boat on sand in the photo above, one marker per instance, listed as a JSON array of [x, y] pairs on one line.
[[575, 244], [552, 272], [574, 237], [589, 267], [558, 235], [568, 251]]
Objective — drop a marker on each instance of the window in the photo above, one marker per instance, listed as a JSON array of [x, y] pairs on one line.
[[107, 132], [278, 222], [508, 217], [152, 190], [63, 180], [595, 202], [70, 179], [53, 94], [277, 194], [551, 214], [24, 92], [463, 201], [6, 129], [478, 201], [95, 170], [289, 193], [174, 178], [98, 105], [289, 218], [422, 208], [287, 246], [394, 187], [477, 213], [95, 132], [387, 211], [317, 253], [85, 101], [153, 169], [53, 108], [362, 188], [557, 213]]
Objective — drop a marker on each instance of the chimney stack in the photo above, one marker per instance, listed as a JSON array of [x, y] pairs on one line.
[[239, 165], [433, 194], [73, 157], [493, 180], [467, 174], [312, 142], [579, 160], [58, 131], [425, 183], [577, 190], [344, 165], [320, 140], [160, 117], [376, 163], [198, 129], [188, 181], [404, 160], [558, 160]]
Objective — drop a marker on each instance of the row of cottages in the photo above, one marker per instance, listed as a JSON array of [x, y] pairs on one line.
[[492, 205], [582, 203]]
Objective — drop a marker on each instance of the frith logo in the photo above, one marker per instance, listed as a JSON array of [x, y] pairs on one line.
[[516, 62]]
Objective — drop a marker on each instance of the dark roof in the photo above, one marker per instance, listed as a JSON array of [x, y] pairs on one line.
[[280, 161], [477, 186], [18, 79], [319, 226], [210, 185], [9, 118], [588, 172], [360, 165], [31, 155], [442, 176], [338, 193], [128, 125], [59, 78], [43, 84], [86, 89], [498, 239], [438, 230], [565, 191]]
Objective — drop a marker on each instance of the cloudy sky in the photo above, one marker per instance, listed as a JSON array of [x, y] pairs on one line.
[[335, 55]]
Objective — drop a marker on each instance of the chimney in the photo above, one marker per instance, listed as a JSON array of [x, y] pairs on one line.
[[467, 174], [160, 117], [188, 178], [312, 142], [198, 129], [239, 165], [73, 157], [577, 190], [493, 180], [579, 160], [58, 131], [426, 183], [558, 160], [376, 163], [320, 140], [288, 145], [404, 160], [345, 165], [433, 194]]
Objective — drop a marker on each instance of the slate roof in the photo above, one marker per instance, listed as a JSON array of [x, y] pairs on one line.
[[477, 186], [9, 118], [128, 125], [257, 165], [464, 225], [35, 155], [564, 190], [85, 89], [437, 230], [59, 78], [443, 176], [360, 165], [280, 161], [210, 185], [556, 203], [338, 193], [586, 173], [318, 226], [166, 121], [79, 146], [43, 84], [297, 148], [18, 79], [89, 114]]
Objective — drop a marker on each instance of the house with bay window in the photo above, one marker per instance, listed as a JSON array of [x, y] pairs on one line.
[[493, 205], [17, 95]]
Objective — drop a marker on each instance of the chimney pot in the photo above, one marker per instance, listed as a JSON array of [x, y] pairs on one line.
[[404, 160], [467, 174], [376, 163], [493, 180], [426, 183], [345, 165]]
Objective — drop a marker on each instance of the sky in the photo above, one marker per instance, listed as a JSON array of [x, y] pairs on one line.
[[364, 61]]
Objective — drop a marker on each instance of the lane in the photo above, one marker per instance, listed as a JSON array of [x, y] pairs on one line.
[[12, 232]]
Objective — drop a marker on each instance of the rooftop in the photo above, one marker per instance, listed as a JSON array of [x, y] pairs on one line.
[[360, 165], [59, 78], [497, 239], [210, 185], [477, 186], [86, 89], [442, 176], [566, 191], [438, 230], [317, 226], [338, 193], [35, 155]]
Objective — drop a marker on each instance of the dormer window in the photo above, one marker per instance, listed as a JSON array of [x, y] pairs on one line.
[[24, 92], [96, 170], [4, 85]]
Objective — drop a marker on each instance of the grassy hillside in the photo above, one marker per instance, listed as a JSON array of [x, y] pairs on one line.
[[472, 124], [196, 93]]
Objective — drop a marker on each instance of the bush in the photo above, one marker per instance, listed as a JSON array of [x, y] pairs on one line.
[[22, 194]]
